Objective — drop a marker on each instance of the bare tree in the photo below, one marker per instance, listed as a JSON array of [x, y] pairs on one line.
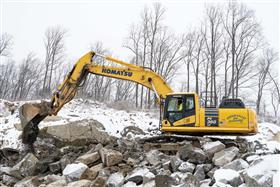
[[212, 37], [54, 47], [264, 66], [242, 31], [28, 75], [5, 44]]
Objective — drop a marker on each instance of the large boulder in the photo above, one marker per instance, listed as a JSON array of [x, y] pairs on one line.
[[110, 157], [237, 165], [213, 147], [191, 154], [263, 172], [27, 165], [74, 171], [225, 156], [78, 132], [228, 176]]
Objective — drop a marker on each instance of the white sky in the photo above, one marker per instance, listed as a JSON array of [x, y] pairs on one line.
[[106, 21]]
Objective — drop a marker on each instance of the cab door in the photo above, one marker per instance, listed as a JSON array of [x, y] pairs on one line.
[[180, 110]]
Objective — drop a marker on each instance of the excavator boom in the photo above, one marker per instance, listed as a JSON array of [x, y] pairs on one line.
[[32, 114]]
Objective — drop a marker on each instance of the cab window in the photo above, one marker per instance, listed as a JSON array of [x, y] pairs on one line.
[[189, 103], [175, 104]]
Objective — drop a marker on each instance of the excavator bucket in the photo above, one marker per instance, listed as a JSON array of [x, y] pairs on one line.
[[31, 114]]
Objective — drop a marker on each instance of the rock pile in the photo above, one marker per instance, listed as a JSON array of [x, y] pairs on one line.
[[66, 160]]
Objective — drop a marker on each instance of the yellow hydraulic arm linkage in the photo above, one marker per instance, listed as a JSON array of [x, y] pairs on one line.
[[32, 114]]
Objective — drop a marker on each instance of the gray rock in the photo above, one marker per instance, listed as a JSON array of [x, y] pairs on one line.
[[9, 180], [80, 183], [175, 162], [199, 172], [228, 176], [115, 180], [11, 172], [52, 178], [27, 165], [110, 157], [64, 161], [262, 171], [100, 181], [191, 181], [207, 167], [74, 171], [205, 183], [237, 165], [136, 175], [55, 167], [147, 177], [225, 156], [166, 165], [186, 167], [154, 157], [129, 184], [213, 147], [89, 174], [28, 182], [164, 181], [211, 172], [88, 158], [191, 154], [58, 183]]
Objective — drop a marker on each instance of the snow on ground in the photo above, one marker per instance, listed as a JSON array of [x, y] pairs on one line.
[[114, 122]]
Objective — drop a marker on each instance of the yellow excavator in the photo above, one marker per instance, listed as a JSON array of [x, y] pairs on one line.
[[181, 111]]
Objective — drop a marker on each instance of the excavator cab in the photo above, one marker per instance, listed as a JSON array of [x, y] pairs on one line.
[[179, 110]]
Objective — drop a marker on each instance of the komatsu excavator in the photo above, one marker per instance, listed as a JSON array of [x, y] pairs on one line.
[[181, 111]]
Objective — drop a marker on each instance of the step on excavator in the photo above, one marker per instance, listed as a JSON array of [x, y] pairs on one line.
[[180, 112]]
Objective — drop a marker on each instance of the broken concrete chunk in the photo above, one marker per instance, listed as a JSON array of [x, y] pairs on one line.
[[199, 172], [28, 182], [80, 183], [213, 147], [153, 157], [115, 180], [237, 165], [191, 154], [110, 157], [186, 167], [27, 165], [228, 176], [88, 158], [74, 171], [225, 156]]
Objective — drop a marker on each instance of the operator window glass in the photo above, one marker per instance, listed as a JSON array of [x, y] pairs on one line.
[[189, 103], [175, 104]]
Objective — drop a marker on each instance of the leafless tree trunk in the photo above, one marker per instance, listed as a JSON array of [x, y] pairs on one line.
[[5, 44], [54, 46], [264, 65]]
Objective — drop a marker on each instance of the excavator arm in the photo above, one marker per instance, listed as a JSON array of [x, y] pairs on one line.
[[32, 114]]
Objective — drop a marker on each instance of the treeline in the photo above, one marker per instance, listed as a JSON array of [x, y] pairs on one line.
[[226, 55]]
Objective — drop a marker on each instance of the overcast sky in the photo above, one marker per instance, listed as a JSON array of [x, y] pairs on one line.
[[106, 21]]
